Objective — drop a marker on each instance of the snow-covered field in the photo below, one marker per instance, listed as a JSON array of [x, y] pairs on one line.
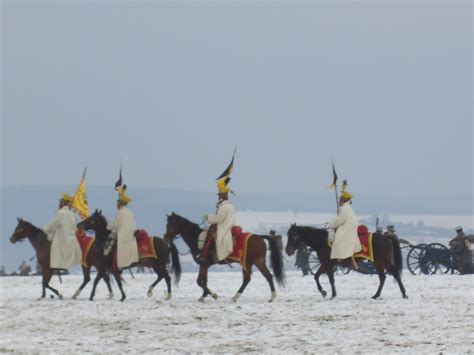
[[437, 317]]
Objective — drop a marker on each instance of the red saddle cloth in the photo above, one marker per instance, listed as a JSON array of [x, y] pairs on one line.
[[365, 238], [240, 246], [146, 249], [85, 242]]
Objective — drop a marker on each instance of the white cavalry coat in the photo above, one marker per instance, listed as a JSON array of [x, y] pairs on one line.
[[65, 250], [225, 220], [127, 249], [346, 240]]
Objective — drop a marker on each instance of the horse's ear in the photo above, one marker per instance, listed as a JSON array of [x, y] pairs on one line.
[[95, 210], [18, 219], [100, 212], [172, 213]]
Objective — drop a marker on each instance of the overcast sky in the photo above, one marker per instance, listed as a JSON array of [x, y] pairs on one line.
[[171, 87]]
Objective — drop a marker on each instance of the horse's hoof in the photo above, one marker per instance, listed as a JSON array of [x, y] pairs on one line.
[[149, 293], [214, 295], [405, 296], [236, 297], [374, 297], [60, 296], [274, 296], [201, 299], [122, 299], [168, 297], [324, 293], [110, 296], [91, 299]]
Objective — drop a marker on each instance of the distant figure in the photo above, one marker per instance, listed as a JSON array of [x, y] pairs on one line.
[[24, 269], [391, 231], [302, 257], [459, 242], [460, 246], [2, 270]]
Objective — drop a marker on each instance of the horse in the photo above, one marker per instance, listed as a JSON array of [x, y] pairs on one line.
[[98, 223], [256, 255], [387, 255], [42, 246]]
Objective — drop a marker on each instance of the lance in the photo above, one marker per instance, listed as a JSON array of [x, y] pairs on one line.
[[335, 184]]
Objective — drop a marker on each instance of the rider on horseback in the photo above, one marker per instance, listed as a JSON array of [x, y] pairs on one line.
[[346, 242], [61, 232], [221, 222], [124, 227]]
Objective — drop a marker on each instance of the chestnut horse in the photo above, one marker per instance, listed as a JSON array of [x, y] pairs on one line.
[[42, 246], [98, 224], [256, 255], [387, 255]]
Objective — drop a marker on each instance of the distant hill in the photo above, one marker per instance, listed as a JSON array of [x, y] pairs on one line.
[[38, 204]]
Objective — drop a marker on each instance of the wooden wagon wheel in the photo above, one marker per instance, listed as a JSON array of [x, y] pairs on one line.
[[441, 256], [313, 262], [413, 258]]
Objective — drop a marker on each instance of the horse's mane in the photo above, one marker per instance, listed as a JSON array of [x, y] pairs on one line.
[[309, 229], [35, 229], [184, 220]]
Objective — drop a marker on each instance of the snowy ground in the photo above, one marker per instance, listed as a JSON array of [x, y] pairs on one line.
[[437, 318]]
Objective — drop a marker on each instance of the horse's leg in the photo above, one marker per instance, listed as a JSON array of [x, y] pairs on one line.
[[44, 271], [330, 272], [245, 282], [397, 277], [107, 282], [166, 275], [202, 282], [46, 280], [161, 272], [100, 274], [382, 277], [118, 278], [86, 277], [262, 266], [318, 273]]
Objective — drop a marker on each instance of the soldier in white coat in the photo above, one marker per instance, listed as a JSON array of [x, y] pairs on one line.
[[124, 226], [346, 241], [224, 219], [61, 232]]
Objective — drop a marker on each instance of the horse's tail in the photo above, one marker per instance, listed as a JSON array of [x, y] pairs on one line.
[[175, 263], [276, 260], [397, 253]]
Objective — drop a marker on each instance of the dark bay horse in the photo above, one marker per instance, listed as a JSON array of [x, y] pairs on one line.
[[42, 246], [387, 255], [98, 224], [256, 255]]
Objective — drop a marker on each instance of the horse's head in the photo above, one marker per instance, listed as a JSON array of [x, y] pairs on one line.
[[23, 230], [172, 226], [294, 239], [95, 221]]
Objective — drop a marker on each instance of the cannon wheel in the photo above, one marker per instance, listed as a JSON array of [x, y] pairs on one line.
[[413, 258], [314, 264], [442, 258]]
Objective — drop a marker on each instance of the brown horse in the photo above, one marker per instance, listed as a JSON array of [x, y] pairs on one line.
[[387, 255], [42, 246], [98, 224], [256, 255]]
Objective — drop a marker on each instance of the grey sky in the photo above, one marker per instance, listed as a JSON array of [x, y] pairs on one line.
[[171, 87]]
